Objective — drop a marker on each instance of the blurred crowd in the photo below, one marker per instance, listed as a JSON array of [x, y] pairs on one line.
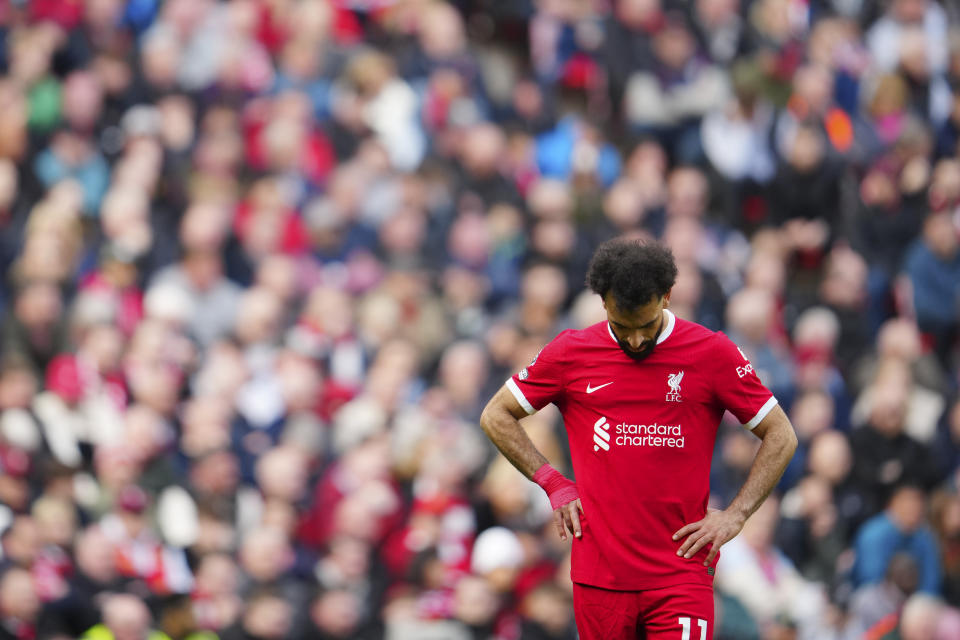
[[264, 261]]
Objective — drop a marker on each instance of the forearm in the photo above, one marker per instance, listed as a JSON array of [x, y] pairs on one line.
[[509, 437], [772, 459], [500, 421]]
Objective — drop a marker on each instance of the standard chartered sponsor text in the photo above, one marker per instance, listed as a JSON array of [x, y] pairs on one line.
[[649, 435]]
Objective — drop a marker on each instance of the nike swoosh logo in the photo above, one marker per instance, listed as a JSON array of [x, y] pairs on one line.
[[592, 389]]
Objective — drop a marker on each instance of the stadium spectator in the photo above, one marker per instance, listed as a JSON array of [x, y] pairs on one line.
[[900, 526], [885, 454], [945, 522], [19, 604], [260, 259], [757, 573], [873, 605], [932, 265], [124, 616]]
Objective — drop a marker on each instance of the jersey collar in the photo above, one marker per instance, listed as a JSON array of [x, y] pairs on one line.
[[671, 320], [667, 330]]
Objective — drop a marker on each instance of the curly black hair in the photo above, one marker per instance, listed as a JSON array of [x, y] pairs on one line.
[[635, 272]]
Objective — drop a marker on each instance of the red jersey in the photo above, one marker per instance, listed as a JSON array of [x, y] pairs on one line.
[[641, 440]]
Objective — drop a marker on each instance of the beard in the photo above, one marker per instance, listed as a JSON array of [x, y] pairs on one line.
[[639, 355]]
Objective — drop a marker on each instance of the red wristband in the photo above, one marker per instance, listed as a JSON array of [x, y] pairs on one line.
[[558, 488]]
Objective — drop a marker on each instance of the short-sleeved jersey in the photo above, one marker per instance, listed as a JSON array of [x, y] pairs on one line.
[[641, 440]]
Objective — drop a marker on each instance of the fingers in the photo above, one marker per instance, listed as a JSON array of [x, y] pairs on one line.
[[687, 529], [715, 529], [568, 525], [691, 538], [697, 541], [558, 521], [575, 519], [567, 518], [571, 519], [693, 545]]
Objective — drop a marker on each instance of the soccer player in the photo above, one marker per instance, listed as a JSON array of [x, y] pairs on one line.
[[641, 395]]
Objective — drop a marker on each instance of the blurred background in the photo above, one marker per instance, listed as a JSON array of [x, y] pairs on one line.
[[264, 261]]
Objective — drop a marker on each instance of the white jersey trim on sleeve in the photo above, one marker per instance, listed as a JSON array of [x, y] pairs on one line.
[[522, 399], [764, 410]]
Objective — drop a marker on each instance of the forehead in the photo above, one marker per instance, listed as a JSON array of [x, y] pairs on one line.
[[638, 316]]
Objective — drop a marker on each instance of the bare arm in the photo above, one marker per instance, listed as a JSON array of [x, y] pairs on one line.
[[776, 451], [719, 527], [500, 420]]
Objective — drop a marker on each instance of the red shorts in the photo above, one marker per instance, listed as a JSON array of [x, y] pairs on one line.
[[682, 612]]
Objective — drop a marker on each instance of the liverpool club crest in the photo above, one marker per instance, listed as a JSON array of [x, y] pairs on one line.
[[673, 382]]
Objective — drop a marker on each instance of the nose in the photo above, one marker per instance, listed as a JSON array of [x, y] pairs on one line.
[[636, 341]]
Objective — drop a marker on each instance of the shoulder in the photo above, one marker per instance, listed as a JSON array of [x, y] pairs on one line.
[[694, 344], [676, 329], [170, 273], [557, 348], [687, 330], [725, 348], [714, 344], [98, 632], [876, 529], [591, 336], [720, 339], [917, 254]]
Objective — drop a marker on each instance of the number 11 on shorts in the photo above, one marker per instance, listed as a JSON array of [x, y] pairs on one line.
[[685, 626]]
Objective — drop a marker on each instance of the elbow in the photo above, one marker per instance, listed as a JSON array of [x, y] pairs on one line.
[[487, 421], [495, 420], [789, 443]]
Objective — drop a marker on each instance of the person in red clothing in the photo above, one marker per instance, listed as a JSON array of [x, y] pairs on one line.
[[642, 396]]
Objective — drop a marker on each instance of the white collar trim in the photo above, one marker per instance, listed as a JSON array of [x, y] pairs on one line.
[[671, 321]]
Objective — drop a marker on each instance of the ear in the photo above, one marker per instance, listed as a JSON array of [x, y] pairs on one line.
[[666, 299]]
